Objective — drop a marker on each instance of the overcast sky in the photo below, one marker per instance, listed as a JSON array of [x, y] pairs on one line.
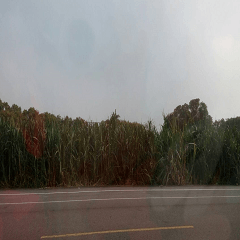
[[87, 58]]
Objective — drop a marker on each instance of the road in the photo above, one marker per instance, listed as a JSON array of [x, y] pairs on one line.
[[190, 212]]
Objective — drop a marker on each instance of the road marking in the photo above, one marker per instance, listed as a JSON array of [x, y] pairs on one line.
[[112, 199], [117, 231], [114, 190]]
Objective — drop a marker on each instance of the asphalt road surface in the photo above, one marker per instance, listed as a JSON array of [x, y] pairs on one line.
[[195, 212]]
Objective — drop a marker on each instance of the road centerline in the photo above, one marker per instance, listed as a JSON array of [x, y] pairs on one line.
[[117, 231]]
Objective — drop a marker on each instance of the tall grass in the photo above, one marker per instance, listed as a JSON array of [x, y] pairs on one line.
[[42, 150], [199, 154]]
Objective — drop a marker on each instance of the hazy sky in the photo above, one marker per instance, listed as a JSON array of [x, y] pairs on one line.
[[142, 58]]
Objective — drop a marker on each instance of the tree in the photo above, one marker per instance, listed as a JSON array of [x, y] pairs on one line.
[[186, 114]]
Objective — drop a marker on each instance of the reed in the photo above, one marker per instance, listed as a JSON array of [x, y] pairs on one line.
[[42, 150]]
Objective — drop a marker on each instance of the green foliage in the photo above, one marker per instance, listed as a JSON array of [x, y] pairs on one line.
[[193, 150], [188, 114], [45, 150], [40, 150]]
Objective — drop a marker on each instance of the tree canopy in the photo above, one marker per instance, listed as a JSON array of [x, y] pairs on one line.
[[186, 114]]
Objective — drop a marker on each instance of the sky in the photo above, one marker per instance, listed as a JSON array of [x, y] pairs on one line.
[[86, 58]]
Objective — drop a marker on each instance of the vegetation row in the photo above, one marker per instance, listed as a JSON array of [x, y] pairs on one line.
[[44, 150]]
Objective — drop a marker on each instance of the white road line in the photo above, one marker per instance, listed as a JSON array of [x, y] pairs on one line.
[[112, 199], [114, 190]]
